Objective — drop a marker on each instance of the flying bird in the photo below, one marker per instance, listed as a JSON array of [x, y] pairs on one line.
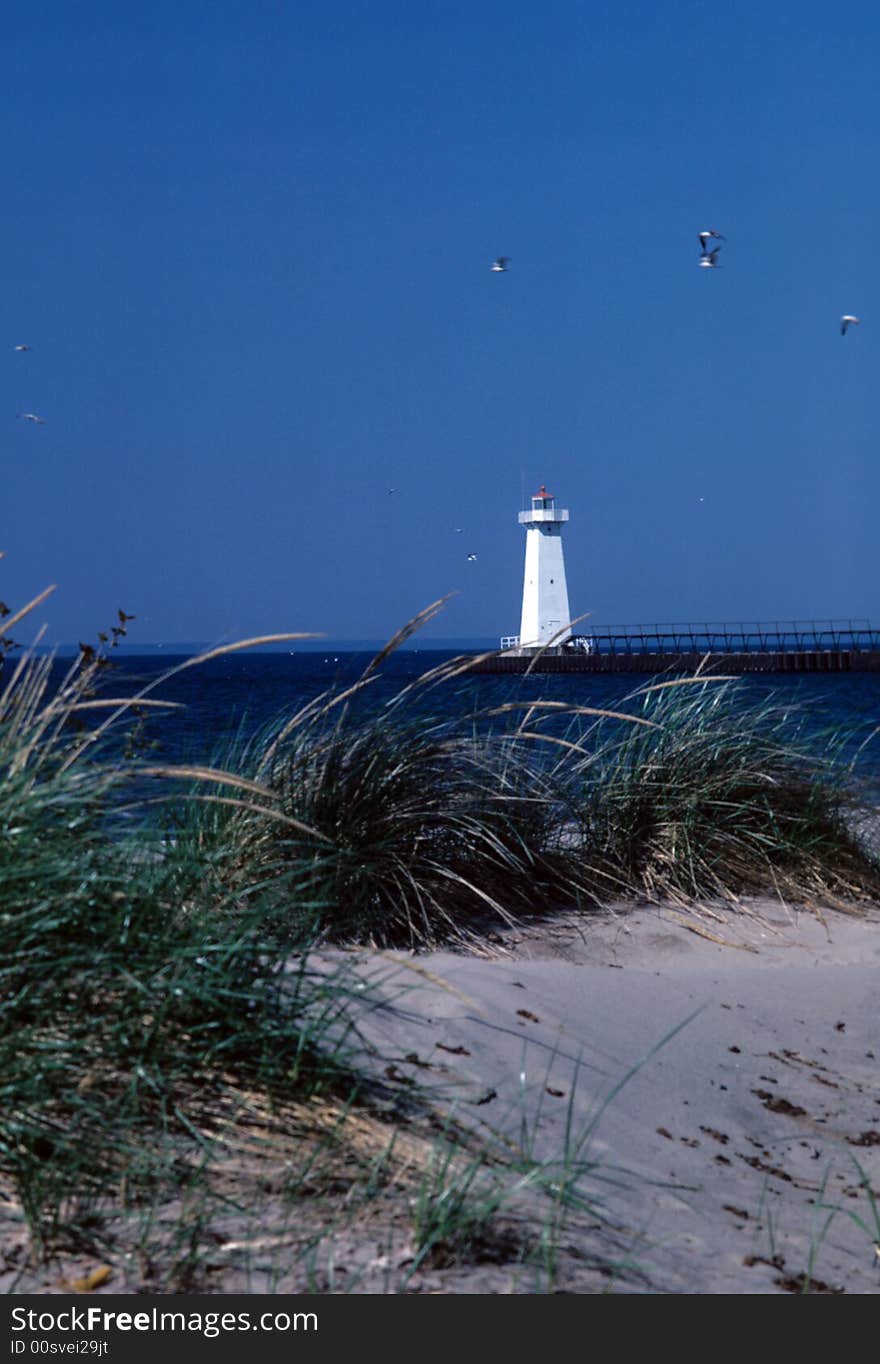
[[707, 235], [501, 264], [472, 558], [32, 417], [709, 259], [846, 321], [21, 347]]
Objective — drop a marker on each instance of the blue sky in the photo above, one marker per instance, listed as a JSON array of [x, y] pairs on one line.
[[249, 246]]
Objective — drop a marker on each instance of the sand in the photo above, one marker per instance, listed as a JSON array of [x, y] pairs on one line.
[[715, 1104], [727, 1160]]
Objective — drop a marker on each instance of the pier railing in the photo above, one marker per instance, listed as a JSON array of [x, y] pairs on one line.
[[745, 637]]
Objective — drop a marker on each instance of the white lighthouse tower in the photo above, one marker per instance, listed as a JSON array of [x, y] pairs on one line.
[[545, 613]]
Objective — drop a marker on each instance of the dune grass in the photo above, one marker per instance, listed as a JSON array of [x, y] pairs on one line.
[[133, 989], [406, 831], [157, 922], [716, 798], [402, 832]]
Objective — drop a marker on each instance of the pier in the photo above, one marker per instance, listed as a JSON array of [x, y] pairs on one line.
[[826, 646]]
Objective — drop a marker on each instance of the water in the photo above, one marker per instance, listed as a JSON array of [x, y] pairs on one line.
[[237, 694]]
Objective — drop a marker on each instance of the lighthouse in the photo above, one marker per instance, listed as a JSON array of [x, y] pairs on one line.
[[545, 613]]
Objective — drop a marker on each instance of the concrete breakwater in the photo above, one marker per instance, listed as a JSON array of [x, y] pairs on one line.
[[788, 661], [796, 646]]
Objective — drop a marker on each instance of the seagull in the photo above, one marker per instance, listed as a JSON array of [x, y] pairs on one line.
[[21, 347], [32, 417], [709, 259], [472, 558], [501, 264], [707, 235], [459, 530], [846, 320]]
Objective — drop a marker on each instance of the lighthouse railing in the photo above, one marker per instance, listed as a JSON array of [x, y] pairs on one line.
[[734, 638]]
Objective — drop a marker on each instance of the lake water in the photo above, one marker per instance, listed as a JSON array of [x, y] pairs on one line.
[[239, 693]]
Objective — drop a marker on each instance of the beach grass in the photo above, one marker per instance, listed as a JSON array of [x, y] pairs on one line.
[[159, 987], [716, 798]]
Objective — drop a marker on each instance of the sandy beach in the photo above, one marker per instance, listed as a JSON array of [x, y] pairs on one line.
[[741, 1080], [703, 1084]]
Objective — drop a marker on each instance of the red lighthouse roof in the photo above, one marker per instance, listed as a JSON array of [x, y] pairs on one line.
[[542, 492]]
